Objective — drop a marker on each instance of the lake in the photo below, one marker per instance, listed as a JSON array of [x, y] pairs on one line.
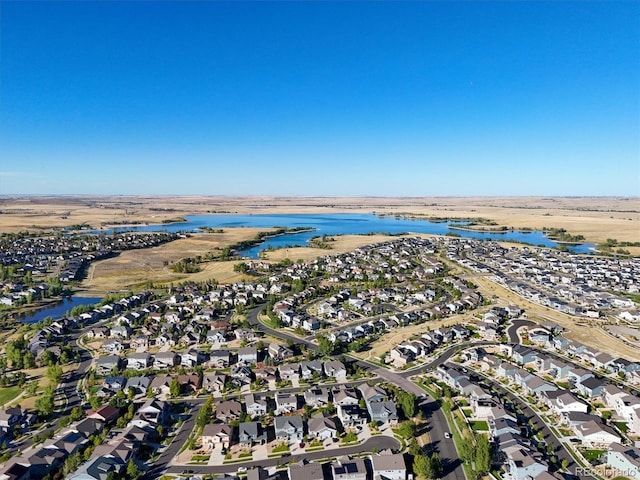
[[57, 310], [341, 224]]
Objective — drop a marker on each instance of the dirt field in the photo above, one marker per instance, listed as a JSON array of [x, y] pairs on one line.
[[579, 330], [597, 218], [135, 267]]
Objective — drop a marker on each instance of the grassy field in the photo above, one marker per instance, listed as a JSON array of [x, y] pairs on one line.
[[9, 393], [586, 333], [597, 218], [389, 340], [135, 267]]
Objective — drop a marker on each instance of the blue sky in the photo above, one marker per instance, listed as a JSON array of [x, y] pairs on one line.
[[320, 98]]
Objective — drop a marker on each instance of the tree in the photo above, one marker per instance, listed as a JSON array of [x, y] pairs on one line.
[[76, 413], [482, 455], [54, 373], [174, 388], [28, 360], [325, 346], [45, 404], [407, 429], [47, 358], [422, 467], [31, 388], [133, 471], [408, 403]]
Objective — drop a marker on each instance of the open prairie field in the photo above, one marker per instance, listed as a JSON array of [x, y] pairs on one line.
[[580, 330], [597, 218], [136, 267]]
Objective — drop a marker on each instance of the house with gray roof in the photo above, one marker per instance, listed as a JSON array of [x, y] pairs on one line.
[[105, 365], [322, 427], [305, 471], [139, 385], [248, 355], [139, 361], [388, 466], [316, 397], [383, 412], [250, 433], [624, 459], [347, 468], [289, 428]]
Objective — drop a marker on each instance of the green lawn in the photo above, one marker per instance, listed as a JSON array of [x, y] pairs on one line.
[[622, 426], [480, 425], [593, 454], [9, 393]]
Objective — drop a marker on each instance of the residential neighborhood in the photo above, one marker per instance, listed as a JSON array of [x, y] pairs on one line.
[[262, 378]]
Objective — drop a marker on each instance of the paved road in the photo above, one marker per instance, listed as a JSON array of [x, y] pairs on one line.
[[162, 463], [512, 331], [437, 425], [538, 425], [437, 422], [379, 442], [66, 390]]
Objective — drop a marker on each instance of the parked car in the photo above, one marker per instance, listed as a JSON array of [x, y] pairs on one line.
[[447, 435]]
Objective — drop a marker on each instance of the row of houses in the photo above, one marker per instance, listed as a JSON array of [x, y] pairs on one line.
[[111, 456], [382, 466], [574, 284], [291, 428], [512, 448], [420, 348], [214, 382]]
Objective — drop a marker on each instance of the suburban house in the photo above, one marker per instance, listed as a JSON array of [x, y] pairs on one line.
[[165, 360], [138, 385], [248, 355], [594, 434], [161, 385], [289, 371], [153, 412], [560, 401], [388, 466], [289, 428], [321, 427], [305, 471], [250, 433], [347, 468], [310, 368], [219, 358], [335, 369], [316, 397], [214, 382], [107, 414], [279, 352], [286, 403], [351, 415], [383, 412], [255, 405], [624, 459], [217, 434], [228, 411], [139, 361], [344, 395], [524, 465], [105, 365]]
